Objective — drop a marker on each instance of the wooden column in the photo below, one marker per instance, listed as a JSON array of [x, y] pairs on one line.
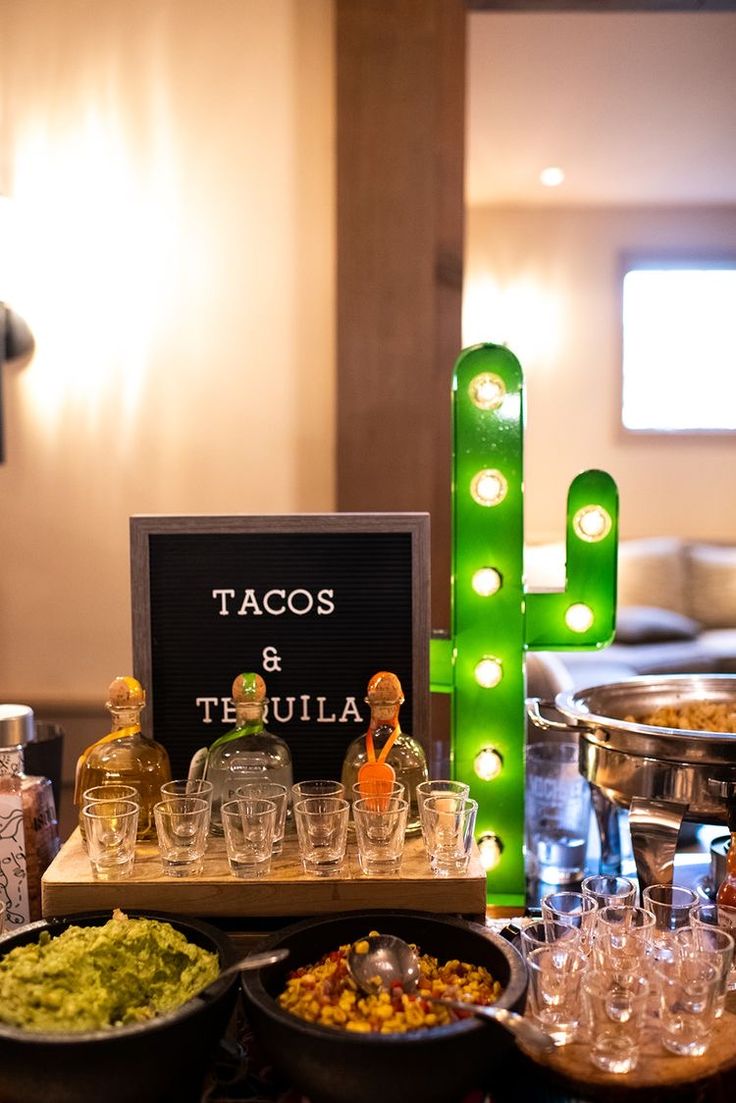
[[400, 152]]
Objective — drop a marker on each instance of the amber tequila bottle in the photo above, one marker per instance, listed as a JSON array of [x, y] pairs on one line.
[[727, 889], [126, 755], [406, 755], [248, 752]]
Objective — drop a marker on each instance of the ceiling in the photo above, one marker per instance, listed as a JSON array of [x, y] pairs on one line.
[[636, 108]]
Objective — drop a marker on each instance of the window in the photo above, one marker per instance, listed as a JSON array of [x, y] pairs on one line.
[[679, 346]]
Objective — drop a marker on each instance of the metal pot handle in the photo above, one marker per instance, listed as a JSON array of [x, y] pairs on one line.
[[534, 706]]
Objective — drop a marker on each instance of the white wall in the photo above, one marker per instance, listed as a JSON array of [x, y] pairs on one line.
[[546, 281], [172, 168]]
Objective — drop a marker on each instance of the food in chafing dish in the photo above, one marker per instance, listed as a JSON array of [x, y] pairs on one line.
[[325, 993], [94, 978], [709, 716]]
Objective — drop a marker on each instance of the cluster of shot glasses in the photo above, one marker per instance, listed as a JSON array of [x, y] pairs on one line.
[[615, 975], [253, 821]]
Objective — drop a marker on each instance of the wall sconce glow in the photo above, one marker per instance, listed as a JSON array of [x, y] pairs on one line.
[[488, 487], [488, 764], [552, 176], [486, 581], [488, 673], [487, 391], [490, 849], [579, 617], [592, 523]]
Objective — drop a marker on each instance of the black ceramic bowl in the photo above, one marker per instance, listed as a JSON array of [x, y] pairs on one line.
[[438, 1065], [161, 1061]]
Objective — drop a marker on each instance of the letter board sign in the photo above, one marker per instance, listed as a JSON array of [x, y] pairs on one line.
[[315, 603]]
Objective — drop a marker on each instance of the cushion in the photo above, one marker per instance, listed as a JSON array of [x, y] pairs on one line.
[[711, 578], [651, 572], [650, 624]]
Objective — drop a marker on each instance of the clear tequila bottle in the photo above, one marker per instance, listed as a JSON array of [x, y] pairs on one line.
[[385, 697], [248, 752]]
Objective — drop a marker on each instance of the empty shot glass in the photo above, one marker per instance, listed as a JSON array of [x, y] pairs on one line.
[[671, 905], [110, 827], [111, 790], [322, 834], [716, 946], [249, 825], [188, 787], [440, 788], [615, 1009], [380, 830], [575, 909], [322, 787], [555, 976], [540, 934], [623, 938], [717, 915], [279, 794], [609, 891], [687, 993], [182, 824], [448, 827]]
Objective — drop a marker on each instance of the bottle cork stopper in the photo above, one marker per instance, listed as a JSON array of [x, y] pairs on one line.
[[384, 688], [249, 689], [125, 692]]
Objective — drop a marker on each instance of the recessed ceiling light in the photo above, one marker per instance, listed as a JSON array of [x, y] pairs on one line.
[[552, 176]]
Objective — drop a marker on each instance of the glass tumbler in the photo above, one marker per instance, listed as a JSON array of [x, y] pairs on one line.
[[322, 834], [615, 1006], [575, 909], [687, 988], [717, 915], [555, 976], [279, 794], [182, 824], [448, 827], [111, 827], [380, 831], [112, 790], [249, 825], [609, 891]]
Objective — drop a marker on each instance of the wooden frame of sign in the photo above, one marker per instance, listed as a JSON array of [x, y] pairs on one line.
[[316, 603]]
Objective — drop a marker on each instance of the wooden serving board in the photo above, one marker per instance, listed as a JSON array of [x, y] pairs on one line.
[[69, 888], [659, 1075]]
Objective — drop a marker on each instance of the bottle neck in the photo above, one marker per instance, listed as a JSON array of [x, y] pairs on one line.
[[126, 720], [249, 717], [11, 761]]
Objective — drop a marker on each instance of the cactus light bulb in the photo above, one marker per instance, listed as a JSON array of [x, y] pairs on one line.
[[488, 487], [488, 673], [487, 391], [579, 617], [486, 581], [490, 849], [488, 764], [592, 523]]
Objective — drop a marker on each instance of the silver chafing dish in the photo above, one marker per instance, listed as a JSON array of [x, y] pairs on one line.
[[662, 775]]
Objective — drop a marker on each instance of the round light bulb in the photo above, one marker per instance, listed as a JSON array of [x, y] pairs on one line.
[[579, 618], [552, 176], [486, 581], [488, 673], [488, 764], [487, 391], [488, 487], [490, 849], [592, 523]]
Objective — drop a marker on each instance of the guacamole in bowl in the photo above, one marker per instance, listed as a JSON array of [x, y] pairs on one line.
[[90, 978]]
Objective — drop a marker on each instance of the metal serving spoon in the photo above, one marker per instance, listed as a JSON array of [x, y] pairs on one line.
[[389, 960], [252, 961]]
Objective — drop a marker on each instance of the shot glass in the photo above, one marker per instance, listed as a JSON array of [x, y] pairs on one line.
[[279, 794], [615, 1009], [110, 828], [717, 915], [440, 788], [554, 991], [687, 993], [609, 891], [623, 938], [111, 790], [249, 825], [538, 935], [380, 830], [188, 787], [448, 825], [303, 790], [182, 824], [322, 834], [671, 905], [362, 791], [716, 947], [574, 909]]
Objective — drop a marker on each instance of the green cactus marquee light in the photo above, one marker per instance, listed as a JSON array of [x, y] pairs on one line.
[[494, 620]]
